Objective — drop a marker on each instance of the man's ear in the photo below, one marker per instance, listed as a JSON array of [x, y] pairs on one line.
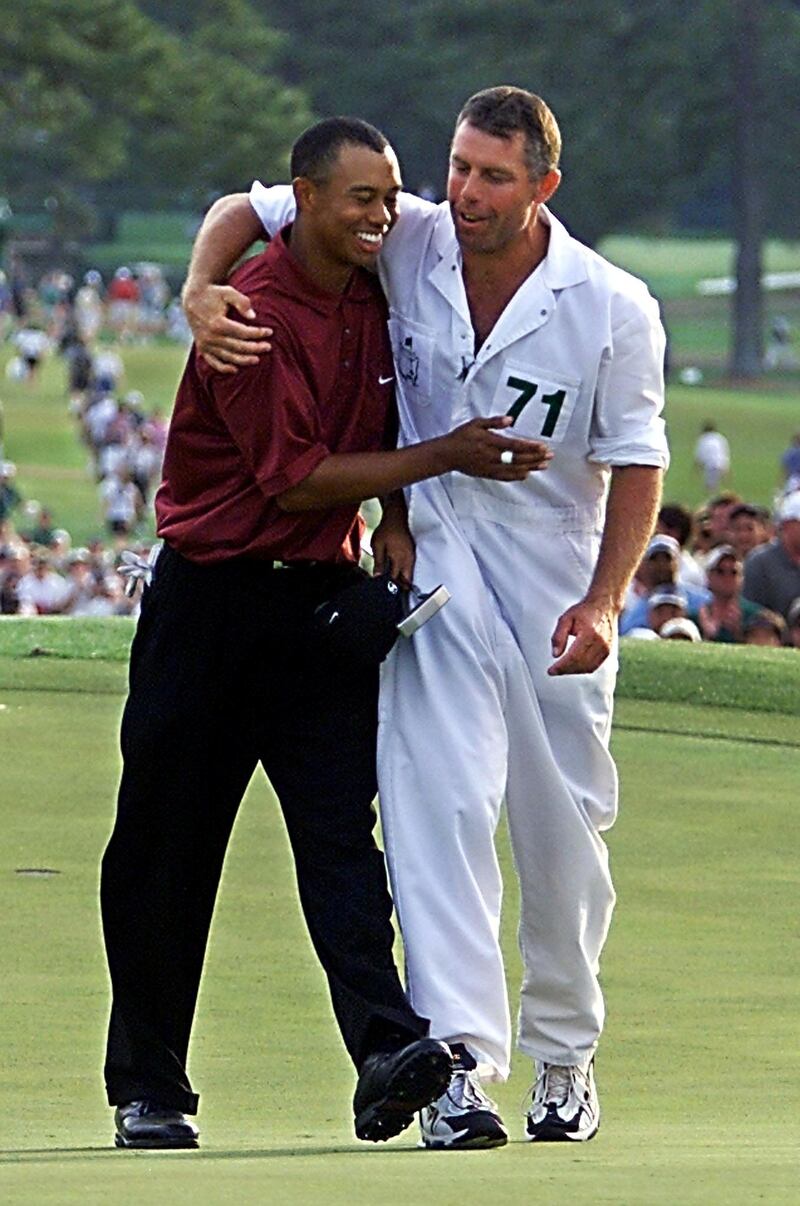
[[305, 192], [548, 185]]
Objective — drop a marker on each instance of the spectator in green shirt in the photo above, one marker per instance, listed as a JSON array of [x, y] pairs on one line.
[[725, 616]]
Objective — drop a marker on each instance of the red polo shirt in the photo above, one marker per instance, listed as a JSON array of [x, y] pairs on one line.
[[238, 440]]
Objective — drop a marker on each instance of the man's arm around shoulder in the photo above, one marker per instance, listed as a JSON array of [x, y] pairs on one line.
[[228, 229]]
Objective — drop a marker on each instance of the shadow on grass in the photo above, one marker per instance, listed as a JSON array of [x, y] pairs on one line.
[[50, 1155]]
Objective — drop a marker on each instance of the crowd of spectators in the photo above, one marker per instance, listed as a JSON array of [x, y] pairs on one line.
[[125, 444], [729, 573], [134, 306], [55, 579], [41, 573]]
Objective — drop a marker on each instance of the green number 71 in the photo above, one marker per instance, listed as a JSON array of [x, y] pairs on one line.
[[527, 389]]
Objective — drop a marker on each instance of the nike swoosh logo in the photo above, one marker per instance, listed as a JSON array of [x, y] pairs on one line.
[[385, 380]]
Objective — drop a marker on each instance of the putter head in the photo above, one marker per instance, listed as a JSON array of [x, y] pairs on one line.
[[426, 609]]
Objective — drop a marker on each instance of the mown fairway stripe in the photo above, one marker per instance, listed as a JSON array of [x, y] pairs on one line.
[[736, 738]]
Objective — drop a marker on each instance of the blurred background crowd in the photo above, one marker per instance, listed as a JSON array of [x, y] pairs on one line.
[[727, 571], [86, 325]]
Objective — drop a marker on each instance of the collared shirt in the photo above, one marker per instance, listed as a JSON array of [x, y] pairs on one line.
[[577, 356], [236, 441]]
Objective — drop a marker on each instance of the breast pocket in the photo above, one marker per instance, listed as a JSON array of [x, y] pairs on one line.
[[539, 401], [412, 348]]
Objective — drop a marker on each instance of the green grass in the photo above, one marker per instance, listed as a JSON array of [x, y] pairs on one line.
[[700, 328], [745, 678], [698, 1067], [40, 436], [706, 675], [759, 425], [673, 266]]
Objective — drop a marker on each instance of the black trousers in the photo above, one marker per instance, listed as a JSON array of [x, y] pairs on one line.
[[225, 672]]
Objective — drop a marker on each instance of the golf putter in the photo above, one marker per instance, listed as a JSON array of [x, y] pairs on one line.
[[425, 608]]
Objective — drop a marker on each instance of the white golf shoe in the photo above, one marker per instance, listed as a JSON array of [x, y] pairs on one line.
[[564, 1103], [463, 1117]]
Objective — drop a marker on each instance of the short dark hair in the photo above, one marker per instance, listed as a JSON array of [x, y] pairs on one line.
[[726, 498], [679, 518], [505, 110], [753, 510], [317, 149]]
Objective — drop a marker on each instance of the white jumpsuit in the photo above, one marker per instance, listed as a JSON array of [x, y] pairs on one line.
[[469, 716]]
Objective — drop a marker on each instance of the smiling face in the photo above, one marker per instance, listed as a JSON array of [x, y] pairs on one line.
[[347, 215], [725, 578], [493, 200]]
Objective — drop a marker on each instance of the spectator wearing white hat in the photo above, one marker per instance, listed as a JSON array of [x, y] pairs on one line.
[[14, 562], [123, 297], [122, 503], [107, 369], [659, 567], [89, 306], [97, 420], [677, 521], [82, 583], [667, 602], [146, 460], [681, 628], [723, 618], [772, 571]]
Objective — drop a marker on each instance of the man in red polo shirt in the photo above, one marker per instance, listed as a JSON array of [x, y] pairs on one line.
[[258, 510]]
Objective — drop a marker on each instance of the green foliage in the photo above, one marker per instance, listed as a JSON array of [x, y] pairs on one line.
[[642, 91], [96, 93], [153, 101], [220, 114], [63, 114]]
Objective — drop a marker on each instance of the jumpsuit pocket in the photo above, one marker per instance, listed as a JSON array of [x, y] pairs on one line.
[[413, 347]]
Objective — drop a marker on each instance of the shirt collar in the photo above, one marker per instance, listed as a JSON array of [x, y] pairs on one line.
[[564, 264], [359, 288]]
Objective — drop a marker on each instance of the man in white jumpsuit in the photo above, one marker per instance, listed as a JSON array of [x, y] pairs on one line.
[[508, 695]]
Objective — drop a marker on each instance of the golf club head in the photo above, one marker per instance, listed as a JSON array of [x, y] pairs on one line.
[[425, 610]]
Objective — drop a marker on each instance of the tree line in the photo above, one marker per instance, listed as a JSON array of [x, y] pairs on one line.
[[669, 112]]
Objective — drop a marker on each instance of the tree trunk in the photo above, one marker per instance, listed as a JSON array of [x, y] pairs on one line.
[[747, 353]]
